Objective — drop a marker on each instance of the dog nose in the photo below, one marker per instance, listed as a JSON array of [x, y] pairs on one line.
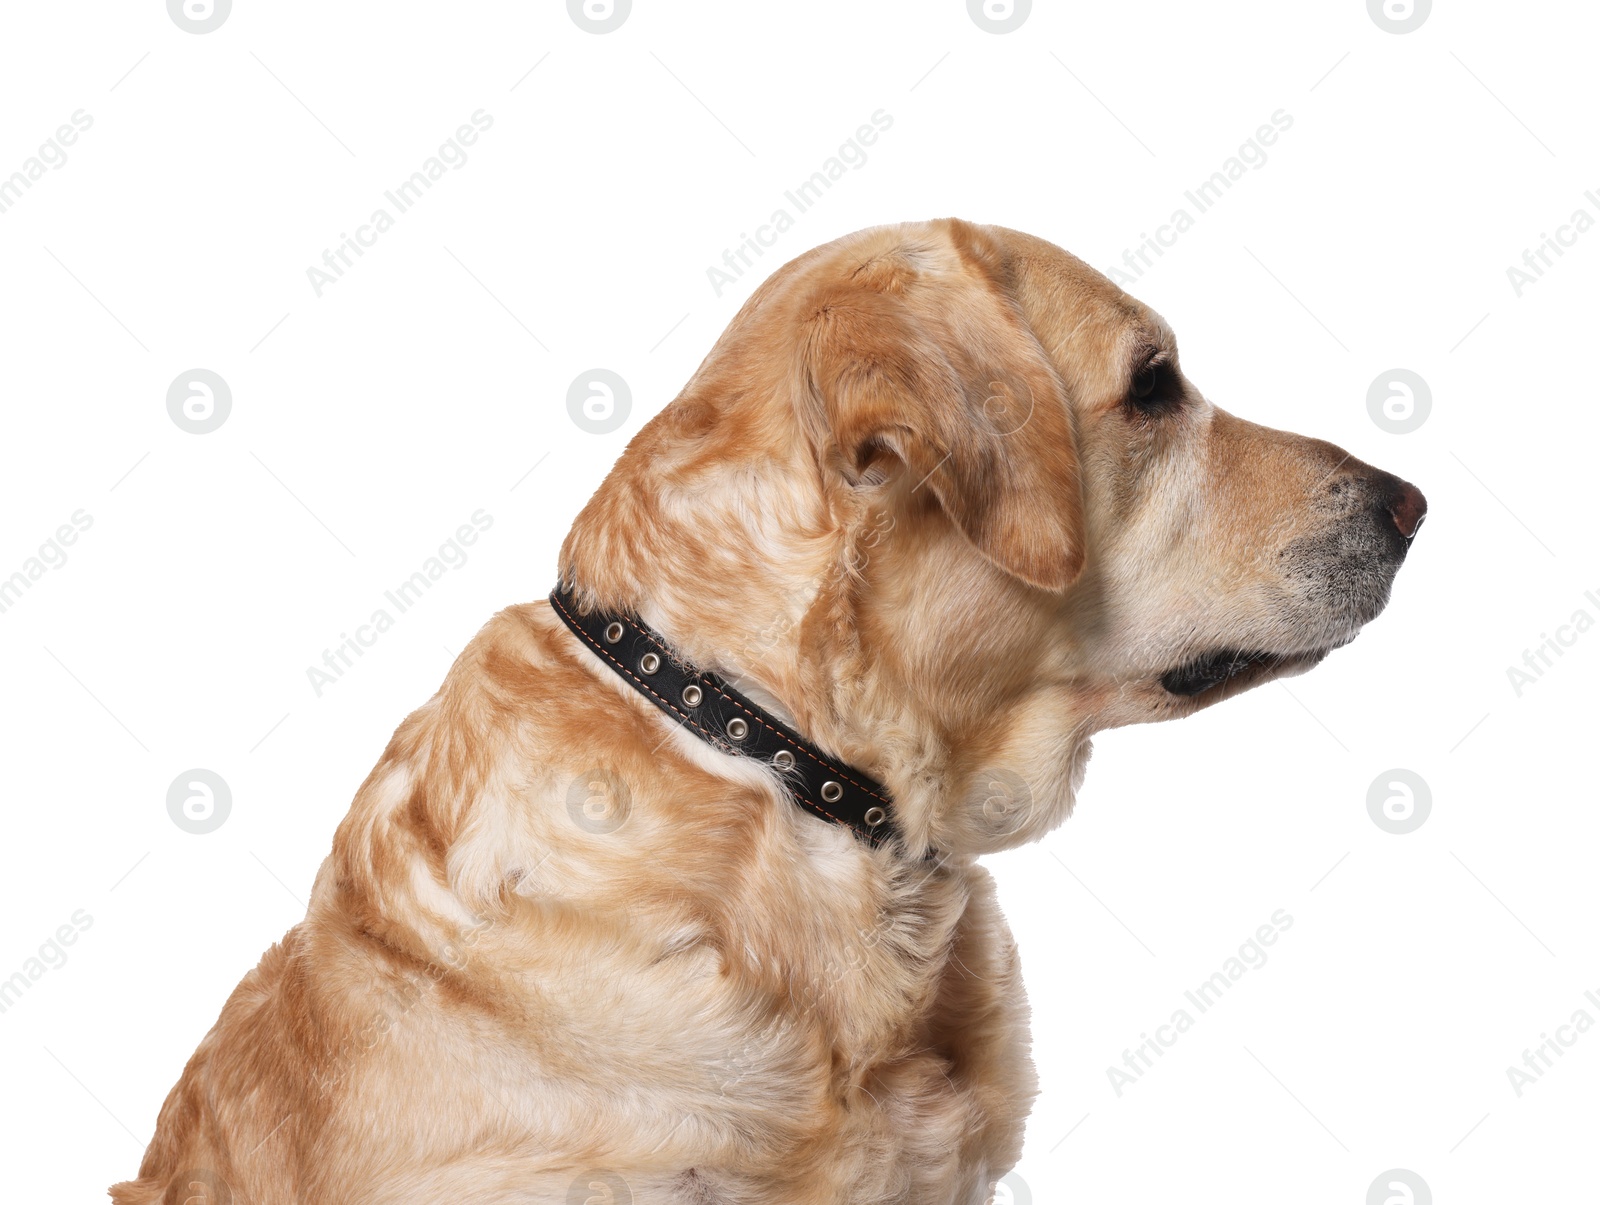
[[1407, 507]]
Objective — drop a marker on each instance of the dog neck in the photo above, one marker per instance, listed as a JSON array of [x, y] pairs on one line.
[[713, 709]]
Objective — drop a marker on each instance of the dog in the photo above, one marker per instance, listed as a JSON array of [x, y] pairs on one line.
[[939, 505]]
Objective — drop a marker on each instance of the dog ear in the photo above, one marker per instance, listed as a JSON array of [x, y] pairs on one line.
[[922, 353]]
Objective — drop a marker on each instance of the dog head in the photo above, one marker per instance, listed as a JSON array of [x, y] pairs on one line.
[[942, 495]]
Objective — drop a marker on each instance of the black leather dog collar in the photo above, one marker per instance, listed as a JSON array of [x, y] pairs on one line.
[[725, 719]]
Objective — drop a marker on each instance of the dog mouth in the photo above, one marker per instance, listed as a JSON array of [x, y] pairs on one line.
[[1214, 669]]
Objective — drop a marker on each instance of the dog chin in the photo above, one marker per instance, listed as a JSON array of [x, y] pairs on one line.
[[1222, 673]]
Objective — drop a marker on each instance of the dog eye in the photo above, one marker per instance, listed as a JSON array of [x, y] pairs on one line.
[[1154, 388]]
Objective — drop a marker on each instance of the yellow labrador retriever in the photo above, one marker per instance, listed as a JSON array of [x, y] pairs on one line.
[[670, 894]]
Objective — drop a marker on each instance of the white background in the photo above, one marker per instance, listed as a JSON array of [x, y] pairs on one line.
[[370, 422]]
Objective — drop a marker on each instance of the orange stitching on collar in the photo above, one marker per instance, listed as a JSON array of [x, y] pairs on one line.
[[690, 720], [778, 732]]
